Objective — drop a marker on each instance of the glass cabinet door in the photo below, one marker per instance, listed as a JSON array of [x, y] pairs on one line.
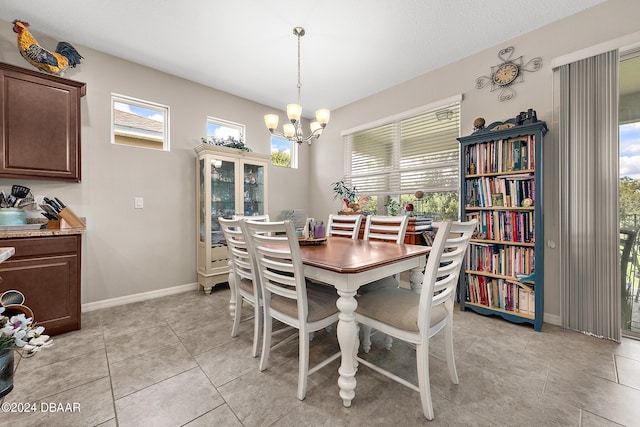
[[253, 190], [202, 211], [229, 182], [223, 196]]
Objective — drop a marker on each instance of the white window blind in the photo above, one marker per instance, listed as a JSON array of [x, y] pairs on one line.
[[405, 155]]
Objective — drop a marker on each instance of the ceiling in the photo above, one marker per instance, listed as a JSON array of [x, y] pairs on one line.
[[351, 49]]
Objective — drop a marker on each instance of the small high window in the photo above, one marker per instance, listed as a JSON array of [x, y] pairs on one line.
[[224, 131], [139, 123], [284, 153]]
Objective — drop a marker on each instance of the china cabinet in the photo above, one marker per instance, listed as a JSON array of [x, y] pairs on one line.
[[229, 182]]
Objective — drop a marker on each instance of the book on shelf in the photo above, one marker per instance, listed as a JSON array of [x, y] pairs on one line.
[[428, 240], [523, 301], [503, 190], [517, 159], [532, 304], [504, 155]]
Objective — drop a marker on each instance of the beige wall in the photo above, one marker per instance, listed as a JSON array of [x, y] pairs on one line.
[[127, 251], [610, 20]]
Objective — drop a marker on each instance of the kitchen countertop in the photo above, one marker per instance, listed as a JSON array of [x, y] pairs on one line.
[[42, 232]]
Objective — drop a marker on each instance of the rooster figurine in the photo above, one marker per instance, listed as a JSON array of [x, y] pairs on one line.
[[56, 62]]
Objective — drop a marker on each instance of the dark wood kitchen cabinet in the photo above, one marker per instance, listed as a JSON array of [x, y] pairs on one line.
[[40, 122], [47, 271]]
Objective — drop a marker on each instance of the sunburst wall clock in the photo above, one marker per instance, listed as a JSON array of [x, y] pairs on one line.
[[508, 73]]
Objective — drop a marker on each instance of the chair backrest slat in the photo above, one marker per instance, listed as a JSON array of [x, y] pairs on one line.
[[389, 228], [344, 225], [264, 217]]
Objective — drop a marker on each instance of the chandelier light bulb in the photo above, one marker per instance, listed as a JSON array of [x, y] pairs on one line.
[[322, 116], [294, 111], [289, 130], [271, 120], [316, 127]]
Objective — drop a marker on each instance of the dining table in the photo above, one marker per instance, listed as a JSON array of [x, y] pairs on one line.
[[347, 264]]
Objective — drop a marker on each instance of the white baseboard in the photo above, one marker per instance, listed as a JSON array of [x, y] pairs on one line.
[[553, 319], [112, 302]]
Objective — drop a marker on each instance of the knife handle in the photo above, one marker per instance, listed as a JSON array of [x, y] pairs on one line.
[[53, 204], [59, 202]]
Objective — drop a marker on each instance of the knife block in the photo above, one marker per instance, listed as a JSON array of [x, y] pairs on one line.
[[68, 219]]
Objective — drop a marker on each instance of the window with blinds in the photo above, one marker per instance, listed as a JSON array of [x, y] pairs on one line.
[[417, 152]]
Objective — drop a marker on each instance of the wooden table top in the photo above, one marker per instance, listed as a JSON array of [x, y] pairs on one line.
[[349, 256]]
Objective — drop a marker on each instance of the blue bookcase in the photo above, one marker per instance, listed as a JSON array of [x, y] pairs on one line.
[[501, 186]]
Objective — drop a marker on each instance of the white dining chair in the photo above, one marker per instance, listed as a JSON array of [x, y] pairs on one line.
[[288, 297], [415, 318], [389, 229], [344, 225], [264, 217], [243, 281]]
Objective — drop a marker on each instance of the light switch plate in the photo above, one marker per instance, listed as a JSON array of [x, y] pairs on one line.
[[138, 203]]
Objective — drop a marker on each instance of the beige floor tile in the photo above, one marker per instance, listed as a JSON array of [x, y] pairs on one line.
[[122, 347], [207, 335], [86, 405], [175, 401], [185, 369], [628, 371], [222, 416], [34, 382], [228, 362], [261, 398], [601, 397], [151, 367], [592, 420]]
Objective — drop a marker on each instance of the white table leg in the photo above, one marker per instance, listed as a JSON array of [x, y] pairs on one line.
[[416, 276], [232, 301], [348, 340]]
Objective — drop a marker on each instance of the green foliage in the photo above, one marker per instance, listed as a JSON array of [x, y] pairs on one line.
[[393, 207], [343, 191], [280, 158], [438, 206], [629, 202]]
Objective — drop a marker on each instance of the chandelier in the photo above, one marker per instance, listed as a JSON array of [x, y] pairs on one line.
[[293, 131]]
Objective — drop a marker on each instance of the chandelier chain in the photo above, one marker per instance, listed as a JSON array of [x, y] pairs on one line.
[[299, 82]]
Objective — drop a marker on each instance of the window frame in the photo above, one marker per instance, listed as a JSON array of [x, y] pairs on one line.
[[293, 150], [389, 170], [116, 130], [215, 121]]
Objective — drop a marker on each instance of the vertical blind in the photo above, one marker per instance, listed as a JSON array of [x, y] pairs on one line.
[[405, 155], [588, 139]]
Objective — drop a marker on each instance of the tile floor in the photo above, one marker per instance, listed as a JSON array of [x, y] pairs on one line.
[[171, 362]]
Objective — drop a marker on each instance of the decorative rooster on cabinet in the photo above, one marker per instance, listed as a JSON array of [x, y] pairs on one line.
[[56, 62]]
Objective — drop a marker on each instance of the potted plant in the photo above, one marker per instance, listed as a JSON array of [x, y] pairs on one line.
[[393, 207], [17, 332], [348, 195]]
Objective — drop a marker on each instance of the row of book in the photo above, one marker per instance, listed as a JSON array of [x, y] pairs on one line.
[[509, 226], [507, 191], [500, 293], [502, 155], [502, 260]]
